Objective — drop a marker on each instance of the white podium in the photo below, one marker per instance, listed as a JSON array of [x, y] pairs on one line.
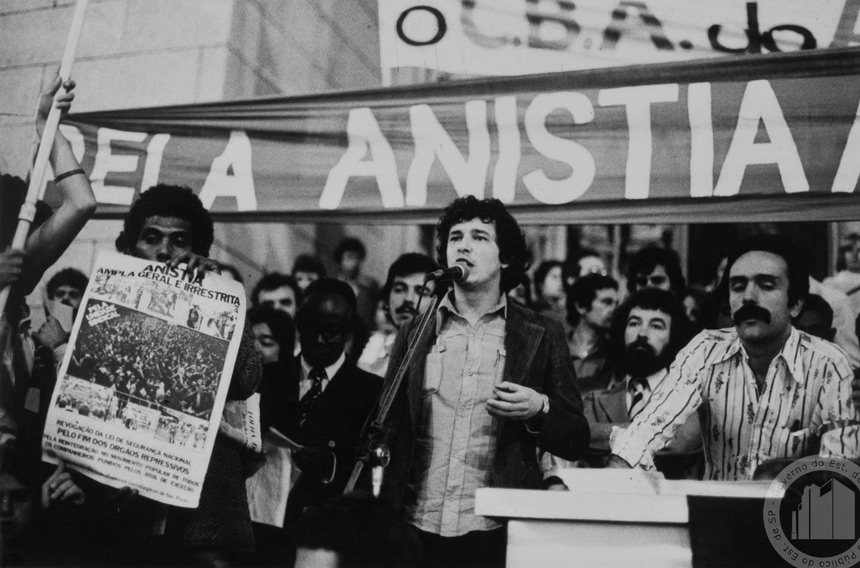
[[609, 518]]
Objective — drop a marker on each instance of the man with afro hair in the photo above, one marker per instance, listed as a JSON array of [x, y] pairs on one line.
[[169, 224]]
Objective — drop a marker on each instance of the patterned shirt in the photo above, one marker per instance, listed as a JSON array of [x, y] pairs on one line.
[[455, 442], [808, 384]]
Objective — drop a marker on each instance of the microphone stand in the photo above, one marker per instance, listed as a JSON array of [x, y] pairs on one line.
[[374, 450]]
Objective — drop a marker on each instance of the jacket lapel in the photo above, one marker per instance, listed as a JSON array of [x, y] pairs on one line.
[[521, 341], [614, 404]]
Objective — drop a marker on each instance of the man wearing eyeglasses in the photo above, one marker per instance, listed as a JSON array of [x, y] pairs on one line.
[[328, 398]]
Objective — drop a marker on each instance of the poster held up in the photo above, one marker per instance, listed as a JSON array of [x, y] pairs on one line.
[[141, 390]]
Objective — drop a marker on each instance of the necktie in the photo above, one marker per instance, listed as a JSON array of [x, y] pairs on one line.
[[307, 402], [638, 388]]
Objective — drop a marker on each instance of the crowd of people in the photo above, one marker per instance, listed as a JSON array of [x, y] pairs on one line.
[[151, 362], [511, 379]]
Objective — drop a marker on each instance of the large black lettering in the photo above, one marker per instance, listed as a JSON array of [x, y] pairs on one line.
[[769, 42], [622, 24], [441, 25], [756, 39], [467, 18], [537, 18]]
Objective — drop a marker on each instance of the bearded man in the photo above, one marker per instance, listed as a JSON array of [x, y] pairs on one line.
[[649, 330]]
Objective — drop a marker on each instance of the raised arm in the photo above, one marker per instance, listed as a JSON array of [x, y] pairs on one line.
[[51, 239]]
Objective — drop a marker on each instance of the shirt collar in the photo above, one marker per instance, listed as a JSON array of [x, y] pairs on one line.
[[788, 353], [446, 306], [654, 379], [330, 371]]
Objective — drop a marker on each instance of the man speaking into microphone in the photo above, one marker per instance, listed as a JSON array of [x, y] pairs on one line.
[[489, 385]]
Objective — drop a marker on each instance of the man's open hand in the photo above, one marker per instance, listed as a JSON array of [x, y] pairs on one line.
[[60, 487]]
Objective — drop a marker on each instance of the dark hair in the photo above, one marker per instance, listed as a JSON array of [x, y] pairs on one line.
[[526, 283], [273, 281], [308, 263], [280, 324], [67, 277], [509, 236], [363, 531], [541, 273], [700, 296], [406, 264], [798, 275], [652, 299], [714, 306], [350, 244], [584, 291], [13, 193], [647, 259], [168, 201], [332, 286], [815, 303]]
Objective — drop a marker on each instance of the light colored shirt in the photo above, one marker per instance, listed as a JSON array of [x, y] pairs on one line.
[[843, 319], [849, 283], [456, 440], [306, 382], [377, 353], [808, 384]]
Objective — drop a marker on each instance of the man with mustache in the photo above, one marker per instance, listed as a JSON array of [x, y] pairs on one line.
[[763, 388], [649, 330], [403, 289]]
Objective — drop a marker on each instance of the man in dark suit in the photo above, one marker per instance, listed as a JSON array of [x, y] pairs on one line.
[[490, 383], [327, 398], [649, 330]]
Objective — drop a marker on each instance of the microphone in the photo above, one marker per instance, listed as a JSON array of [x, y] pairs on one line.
[[456, 273]]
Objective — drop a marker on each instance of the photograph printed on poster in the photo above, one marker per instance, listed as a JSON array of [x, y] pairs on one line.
[[143, 364], [166, 301]]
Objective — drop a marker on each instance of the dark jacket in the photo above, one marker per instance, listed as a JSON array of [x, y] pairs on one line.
[[538, 357], [335, 422]]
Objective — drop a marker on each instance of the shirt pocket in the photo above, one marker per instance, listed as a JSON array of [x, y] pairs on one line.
[[432, 375], [800, 443]]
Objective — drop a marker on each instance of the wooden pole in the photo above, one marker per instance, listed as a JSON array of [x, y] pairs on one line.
[[37, 174]]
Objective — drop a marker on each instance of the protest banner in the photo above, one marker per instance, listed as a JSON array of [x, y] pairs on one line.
[[763, 137], [142, 387]]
